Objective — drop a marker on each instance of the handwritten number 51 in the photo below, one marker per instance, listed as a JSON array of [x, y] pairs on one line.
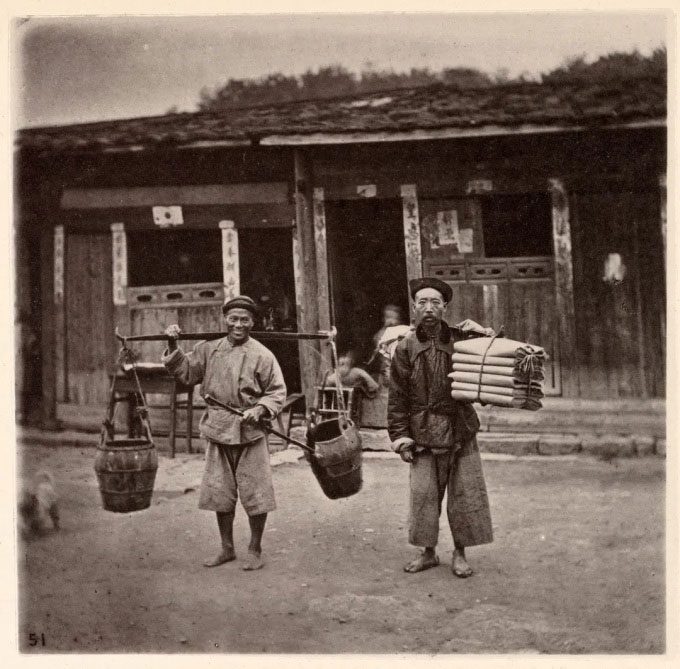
[[36, 639]]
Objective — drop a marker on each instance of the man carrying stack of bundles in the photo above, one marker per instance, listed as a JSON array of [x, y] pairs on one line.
[[436, 433]]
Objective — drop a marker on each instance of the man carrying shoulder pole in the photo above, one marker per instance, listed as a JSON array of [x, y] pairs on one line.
[[241, 373]]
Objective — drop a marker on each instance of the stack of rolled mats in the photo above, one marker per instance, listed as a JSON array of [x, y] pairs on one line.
[[501, 372]]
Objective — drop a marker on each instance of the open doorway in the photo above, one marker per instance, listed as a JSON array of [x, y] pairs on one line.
[[367, 267], [266, 268]]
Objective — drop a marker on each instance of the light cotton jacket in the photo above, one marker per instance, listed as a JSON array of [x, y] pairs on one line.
[[241, 376]]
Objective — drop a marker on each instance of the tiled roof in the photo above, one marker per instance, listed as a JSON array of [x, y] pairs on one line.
[[509, 106]]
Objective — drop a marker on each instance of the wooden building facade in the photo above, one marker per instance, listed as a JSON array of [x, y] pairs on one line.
[[554, 231]]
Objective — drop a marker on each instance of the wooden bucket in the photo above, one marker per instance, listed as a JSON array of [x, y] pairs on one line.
[[126, 471], [336, 461]]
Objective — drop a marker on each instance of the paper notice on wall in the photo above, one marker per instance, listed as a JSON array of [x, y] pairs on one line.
[[167, 216], [368, 190], [446, 228], [466, 240], [614, 269]]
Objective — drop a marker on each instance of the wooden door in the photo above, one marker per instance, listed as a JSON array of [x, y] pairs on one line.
[[620, 325], [517, 294], [515, 290], [367, 266], [90, 341]]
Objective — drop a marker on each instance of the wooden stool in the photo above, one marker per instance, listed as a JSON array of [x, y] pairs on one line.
[[327, 402], [155, 379]]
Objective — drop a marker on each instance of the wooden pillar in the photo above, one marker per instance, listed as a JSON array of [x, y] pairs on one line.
[[662, 212], [298, 277], [231, 273], [641, 349], [411, 218], [564, 288], [59, 316], [308, 312], [47, 335], [320, 242]]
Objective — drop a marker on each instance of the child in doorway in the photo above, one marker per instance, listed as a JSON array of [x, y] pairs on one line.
[[351, 376]]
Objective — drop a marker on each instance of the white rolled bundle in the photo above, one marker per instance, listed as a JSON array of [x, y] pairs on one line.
[[502, 372]]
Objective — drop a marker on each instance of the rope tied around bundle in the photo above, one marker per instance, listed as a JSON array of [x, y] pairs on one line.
[[529, 365], [481, 368]]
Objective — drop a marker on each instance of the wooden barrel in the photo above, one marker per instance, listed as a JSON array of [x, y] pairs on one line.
[[126, 471], [336, 461]]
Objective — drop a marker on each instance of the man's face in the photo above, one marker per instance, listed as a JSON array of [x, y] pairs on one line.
[[239, 324], [428, 306]]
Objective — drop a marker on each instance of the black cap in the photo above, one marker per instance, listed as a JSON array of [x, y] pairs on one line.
[[240, 302], [430, 282]]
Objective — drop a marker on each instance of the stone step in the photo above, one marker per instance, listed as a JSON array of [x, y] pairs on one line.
[[600, 445], [509, 443], [518, 444], [599, 427], [650, 419], [80, 439], [547, 420]]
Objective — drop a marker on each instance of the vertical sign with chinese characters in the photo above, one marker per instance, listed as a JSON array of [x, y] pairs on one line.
[[297, 274], [230, 265], [411, 219], [119, 253]]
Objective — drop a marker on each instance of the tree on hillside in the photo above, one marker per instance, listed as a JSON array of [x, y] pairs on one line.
[[617, 66], [335, 80], [332, 81], [274, 89], [326, 82]]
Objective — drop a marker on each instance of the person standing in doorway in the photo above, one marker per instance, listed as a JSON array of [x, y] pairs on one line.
[[379, 362], [391, 318], [242, 373], [435, 434]]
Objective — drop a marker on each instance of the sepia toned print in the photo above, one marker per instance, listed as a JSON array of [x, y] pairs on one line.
[[341, 333]]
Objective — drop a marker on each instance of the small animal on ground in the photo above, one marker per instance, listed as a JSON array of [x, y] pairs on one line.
[[38, 506]]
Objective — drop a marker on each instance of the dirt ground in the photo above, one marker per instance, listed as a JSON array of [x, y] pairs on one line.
[[577, 566]]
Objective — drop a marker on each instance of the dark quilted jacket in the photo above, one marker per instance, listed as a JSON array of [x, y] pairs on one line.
[[420, 404]]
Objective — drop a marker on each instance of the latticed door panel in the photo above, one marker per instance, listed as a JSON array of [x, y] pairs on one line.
[[516, 293]]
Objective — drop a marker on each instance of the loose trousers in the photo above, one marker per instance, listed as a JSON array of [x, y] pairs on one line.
[[467, 505]]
